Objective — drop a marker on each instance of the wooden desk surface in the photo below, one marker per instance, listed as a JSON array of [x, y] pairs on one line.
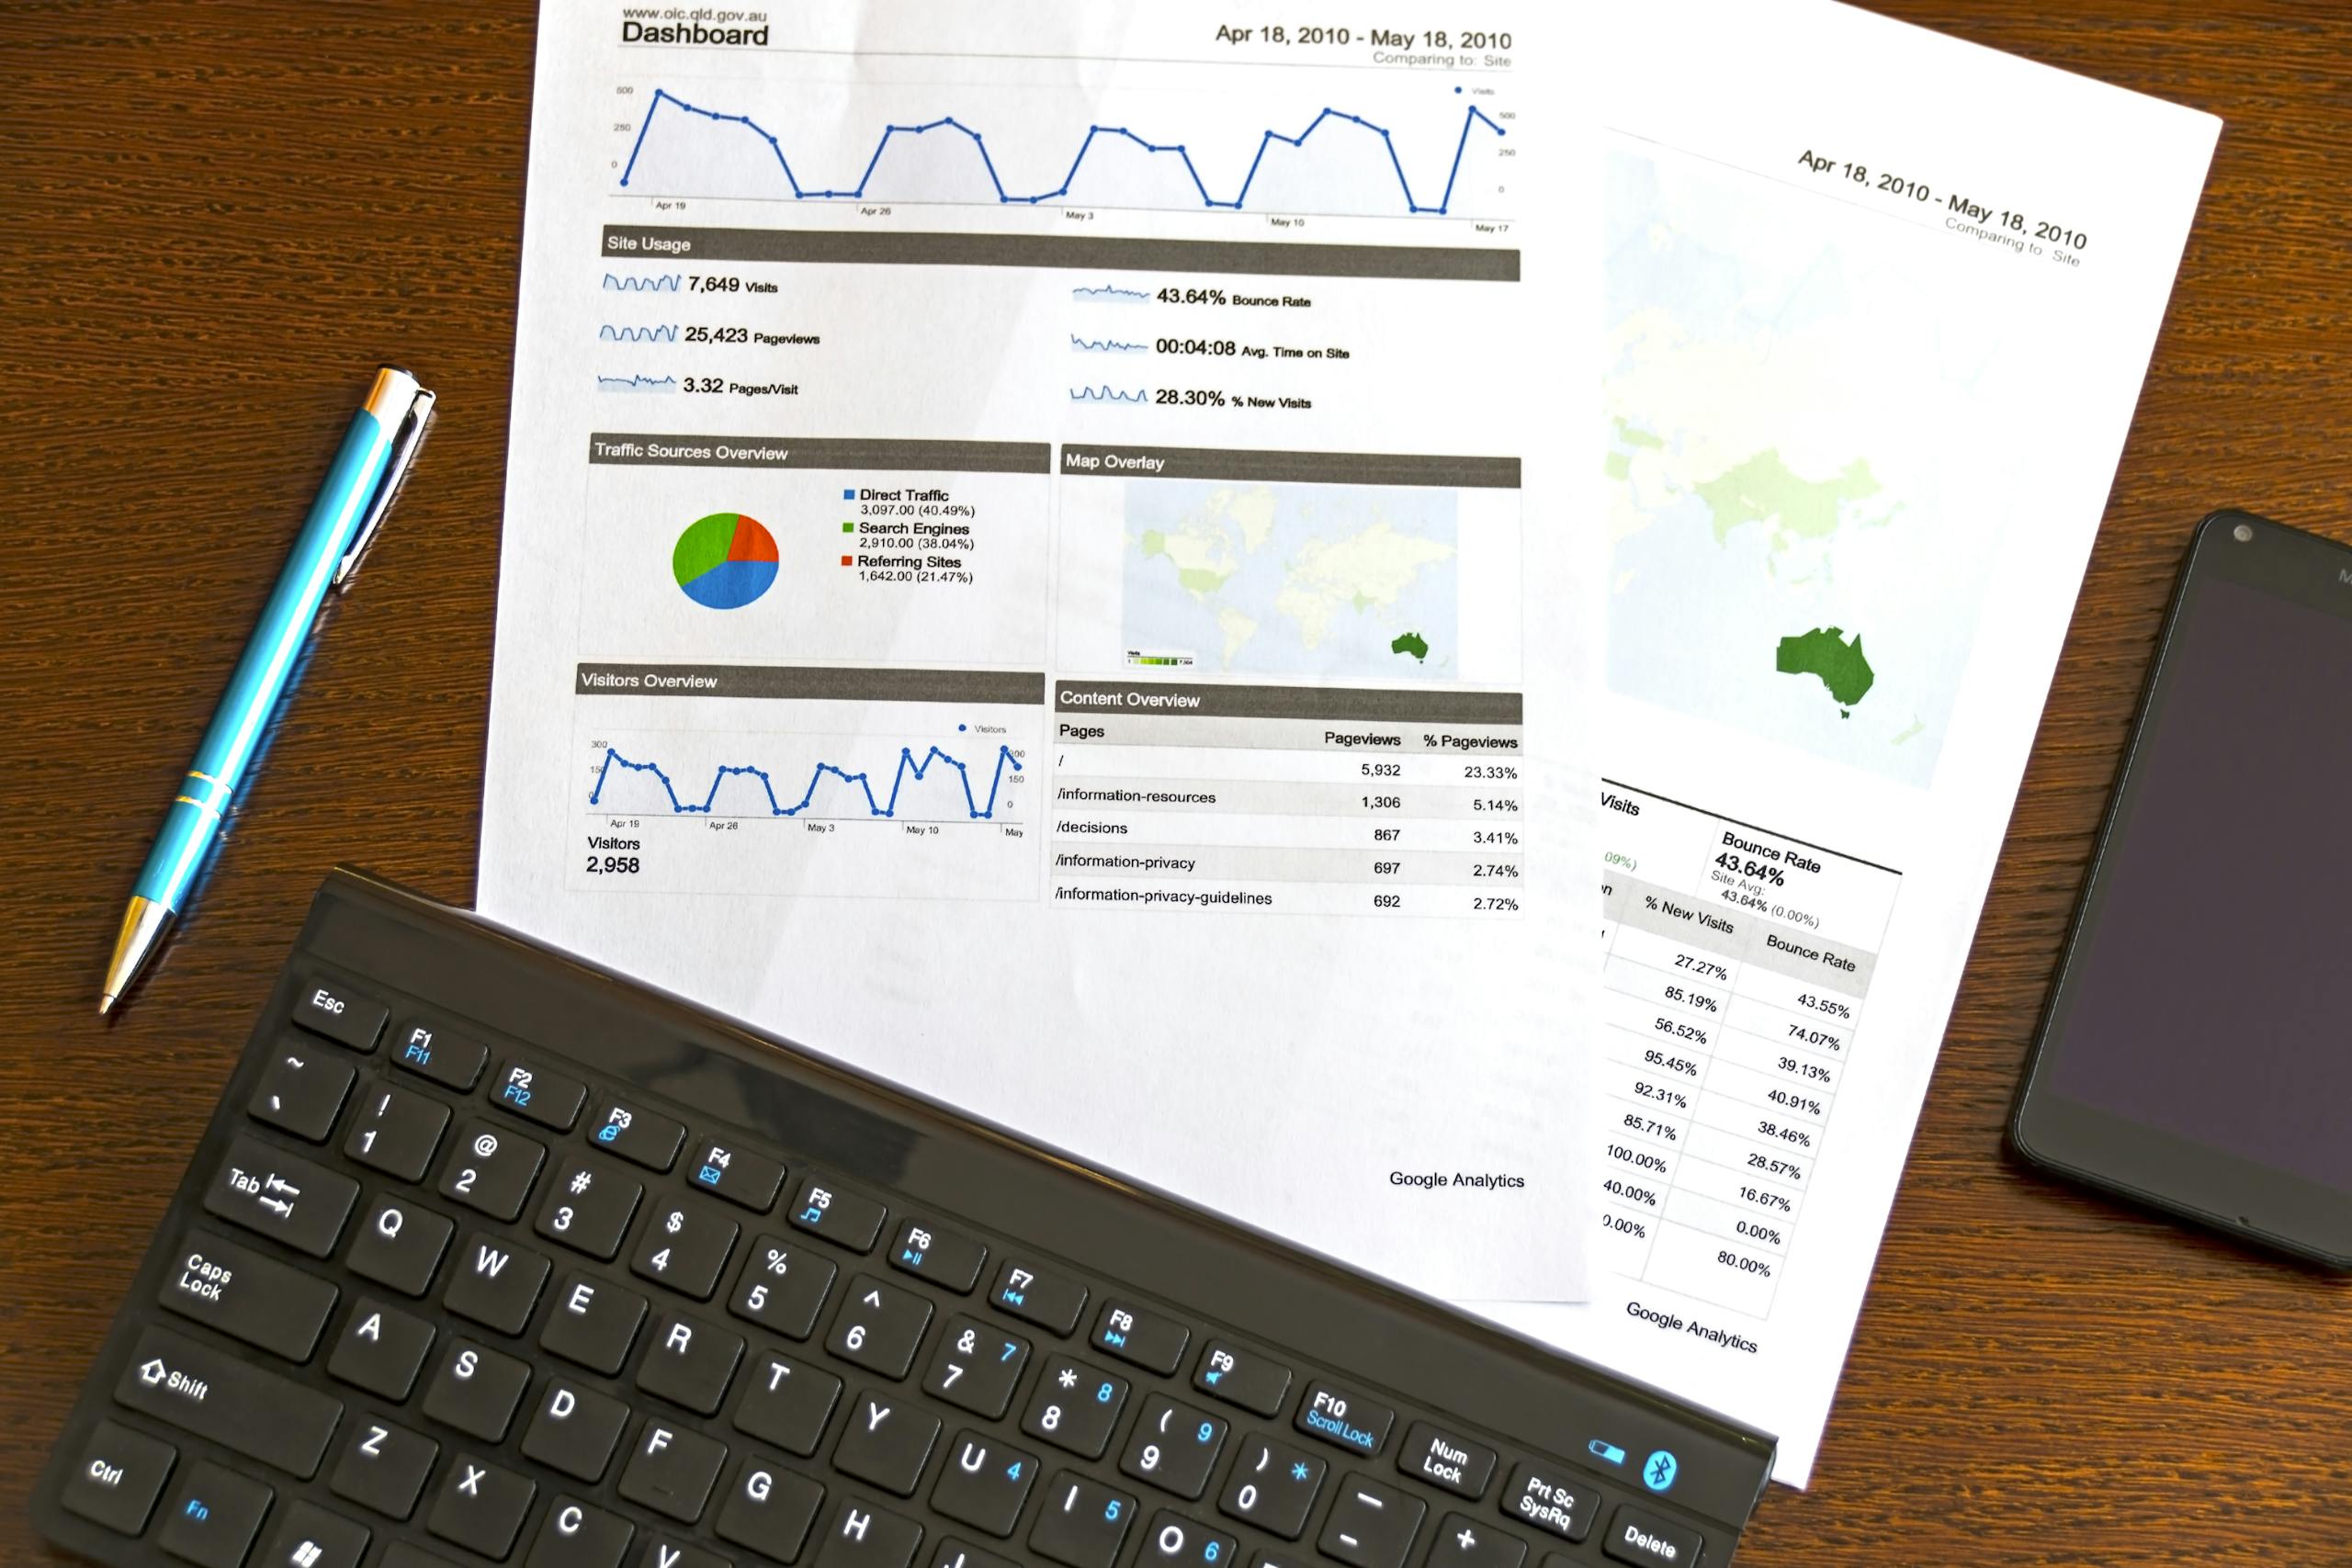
[[216, 217]]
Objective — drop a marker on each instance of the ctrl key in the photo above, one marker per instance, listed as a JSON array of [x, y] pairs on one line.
[[119, 1477]]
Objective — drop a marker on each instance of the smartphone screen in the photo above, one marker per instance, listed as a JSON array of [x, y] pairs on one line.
[[2205, 995]]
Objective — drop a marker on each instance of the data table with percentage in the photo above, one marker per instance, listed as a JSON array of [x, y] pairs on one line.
[[1737, 962]]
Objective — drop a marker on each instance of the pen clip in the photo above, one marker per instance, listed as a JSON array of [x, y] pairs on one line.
[[405, 441]]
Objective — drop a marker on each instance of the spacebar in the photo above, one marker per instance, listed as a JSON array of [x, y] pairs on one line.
[[234, 1402]]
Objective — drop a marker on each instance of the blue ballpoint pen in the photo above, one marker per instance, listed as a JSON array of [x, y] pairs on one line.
[[358, 490]]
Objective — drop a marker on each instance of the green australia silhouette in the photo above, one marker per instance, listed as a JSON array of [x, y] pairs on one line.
[[1823, 652], [1412, 643]]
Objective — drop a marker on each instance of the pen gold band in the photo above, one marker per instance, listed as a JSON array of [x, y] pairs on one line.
[[215, 794], [200, 805]]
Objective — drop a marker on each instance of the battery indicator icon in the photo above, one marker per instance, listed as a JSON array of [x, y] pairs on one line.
[[1609, 1451]]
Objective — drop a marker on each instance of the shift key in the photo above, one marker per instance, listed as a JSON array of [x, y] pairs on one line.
[[282, 1196], [231, 1401]]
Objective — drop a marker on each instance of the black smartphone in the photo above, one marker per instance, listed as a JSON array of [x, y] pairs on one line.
[[2195, 1050]]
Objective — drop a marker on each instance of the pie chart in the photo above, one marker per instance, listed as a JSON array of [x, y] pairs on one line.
[[724, 561]]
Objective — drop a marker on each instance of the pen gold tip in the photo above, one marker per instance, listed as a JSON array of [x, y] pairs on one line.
[[143, 927]]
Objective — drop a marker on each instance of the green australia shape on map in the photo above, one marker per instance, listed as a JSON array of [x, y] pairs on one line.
[[1412, 643], [1823, 652]]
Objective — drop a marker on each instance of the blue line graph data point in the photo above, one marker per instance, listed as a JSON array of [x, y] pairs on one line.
[[1473, 118], [909, 769]]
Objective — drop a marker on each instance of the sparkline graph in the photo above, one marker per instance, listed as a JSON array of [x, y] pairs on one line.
[[1106, 345], [1110, 293], [909, 767], [1473, 118], [667, 283], [611, 334]]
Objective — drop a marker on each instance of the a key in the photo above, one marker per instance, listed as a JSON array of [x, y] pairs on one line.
[[976, 1366], [736, 1175], [769, 1509], [783, 1287], [939, 1256], [1550, 1501], [953, 1553], [476, 1390], [329, 1008], [282, 1196], [1347, 1419], [213, 1518], [1465, 1542], [397, 1132], [862, 1535], [400, 1554], [481, 1506], [1371, 1525], [228, 1400], [313, 1537], [668, 1552], [1441, 1458], [593, 1321], [671, 1471], [823, 1209], [885, 1441], [580, 1535], [549, 1099], [301, 1091], [492, 1169], [1272, 1486], [1145, 1338], [426, 1049], [690, 1362], [494, 1282], [382, 1351], [1075, 1407], [383, 1466], [879, 1326], [1175, 1542], [1254, 1382], [685, 1246], [1174, 1446], [400, 1245], [1082, 1523], [786, 1403], [589, 1206], [984, 1482], [574, 1429], [248, 1296], [1649, 1541], [1048, 1300], [121, 1474], [635, 1135]]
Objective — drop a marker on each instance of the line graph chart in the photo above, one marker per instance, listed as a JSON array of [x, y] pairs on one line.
[[609, 332], [911, 769], [1009, 132], [1473, 119]]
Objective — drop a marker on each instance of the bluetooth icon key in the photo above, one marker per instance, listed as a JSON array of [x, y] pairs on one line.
[[1657, 1471]]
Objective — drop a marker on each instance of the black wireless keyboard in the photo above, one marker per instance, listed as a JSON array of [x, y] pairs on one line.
[[488, 1256]]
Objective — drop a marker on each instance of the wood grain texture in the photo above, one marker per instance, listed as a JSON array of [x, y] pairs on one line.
[[217, 217]]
